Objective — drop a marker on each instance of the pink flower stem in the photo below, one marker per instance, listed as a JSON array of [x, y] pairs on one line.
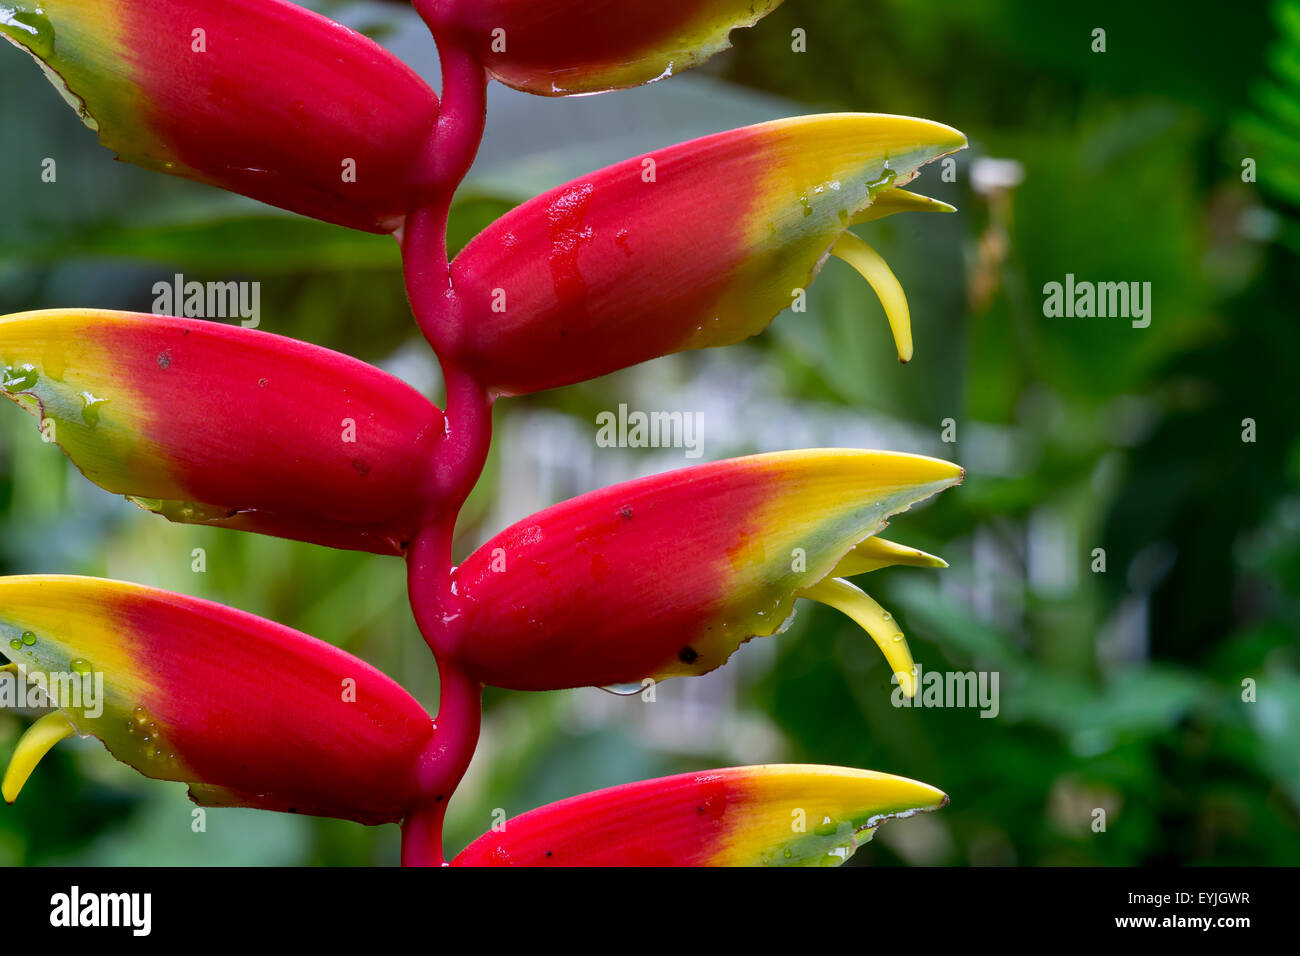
[[458, 460], [443, 765], [447, 156]]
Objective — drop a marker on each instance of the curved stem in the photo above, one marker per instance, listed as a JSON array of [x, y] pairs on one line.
[[422, 837], [443, 164], [462, 112], [428, 587], [457, 461], [460, 712]]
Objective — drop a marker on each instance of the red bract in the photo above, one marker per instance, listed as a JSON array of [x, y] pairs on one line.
[[587, 46], [222, 425], [668, 575], [260, 97], [246, 711], [692, 246], [780, 815]]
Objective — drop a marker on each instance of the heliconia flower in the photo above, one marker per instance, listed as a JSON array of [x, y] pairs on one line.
[[246, 711], [692, 246], [589, 46], [775, 815], [217, 424], [667, 575], [261, 97]]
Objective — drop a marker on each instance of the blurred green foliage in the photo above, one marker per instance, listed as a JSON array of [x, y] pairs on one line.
[[1121, 690]]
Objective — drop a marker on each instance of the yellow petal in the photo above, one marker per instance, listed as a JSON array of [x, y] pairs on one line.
[[873, 268], [891, 201], [32, 746], [876, 553], [873, 619]]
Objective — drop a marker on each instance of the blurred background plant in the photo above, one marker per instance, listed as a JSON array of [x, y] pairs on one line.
[[1121, 690]]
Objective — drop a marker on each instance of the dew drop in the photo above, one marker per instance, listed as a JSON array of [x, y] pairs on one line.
[[16, 644], [623, 690], [90, 409], [897, 638], [29, 638], [29, 25], [19, 378], [886, 616], [80, 666]]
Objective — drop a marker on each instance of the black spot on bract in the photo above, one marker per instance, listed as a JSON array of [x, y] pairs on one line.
[[688, 655]]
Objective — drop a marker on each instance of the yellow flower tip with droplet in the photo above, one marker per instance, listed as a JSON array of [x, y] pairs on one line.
[[872, 618], [32, 746], [872, 267]]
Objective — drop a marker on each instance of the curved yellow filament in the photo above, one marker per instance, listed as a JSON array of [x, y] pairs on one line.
[[876, 553], [872, 267], [873, 619], [891, 201], [32, 746]]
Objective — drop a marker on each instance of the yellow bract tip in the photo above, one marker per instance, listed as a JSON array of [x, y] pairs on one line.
[[872, 618], [32, 746], [873, 268]]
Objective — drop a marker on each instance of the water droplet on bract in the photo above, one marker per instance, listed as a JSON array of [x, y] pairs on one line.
[[826, 828], [80, 666], [20, 378], [886, 616], [630, 689], [886, 180], [90, 409], [788, 853], [897, 638], [16, 644], [29, 25], [29, 638]]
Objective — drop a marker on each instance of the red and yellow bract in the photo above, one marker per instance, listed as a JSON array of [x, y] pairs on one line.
[[666, 576], [260, 97], [775, 815], [247, 711], [218, 424], [696, 245], [587, 46]]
